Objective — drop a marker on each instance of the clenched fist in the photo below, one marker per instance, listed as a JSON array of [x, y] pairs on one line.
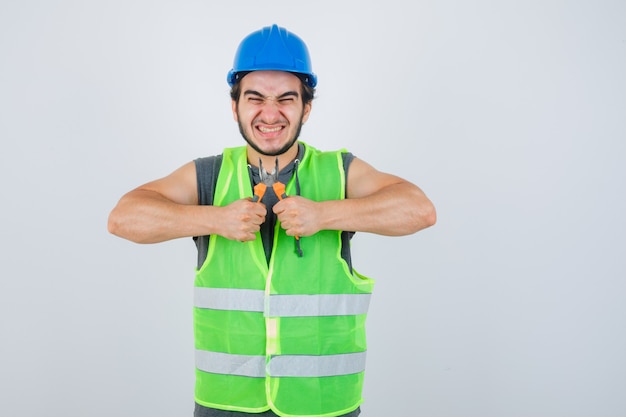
[[242, 219], [299, 216]]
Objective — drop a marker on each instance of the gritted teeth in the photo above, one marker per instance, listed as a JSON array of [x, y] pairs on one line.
[[270, 129]]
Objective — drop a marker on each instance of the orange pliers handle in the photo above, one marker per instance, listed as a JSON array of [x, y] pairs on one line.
[[259, 192], [279, 189]]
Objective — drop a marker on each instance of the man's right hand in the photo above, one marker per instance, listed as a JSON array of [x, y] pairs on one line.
[[242, 219]]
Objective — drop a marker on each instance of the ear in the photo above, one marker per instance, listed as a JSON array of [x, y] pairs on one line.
[[233, 104], [307, 112]]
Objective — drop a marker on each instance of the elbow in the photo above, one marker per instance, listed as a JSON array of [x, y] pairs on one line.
[[430, 216], [118, 225], [113, 224], [424, 217]]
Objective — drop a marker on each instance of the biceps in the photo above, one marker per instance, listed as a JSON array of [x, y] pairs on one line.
[[364, 180], [179, 187]]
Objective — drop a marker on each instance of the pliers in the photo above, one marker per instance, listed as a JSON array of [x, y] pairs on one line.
[[270, 179]]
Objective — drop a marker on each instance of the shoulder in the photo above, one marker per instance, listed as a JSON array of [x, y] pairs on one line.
[[207, 163], [179, 186]]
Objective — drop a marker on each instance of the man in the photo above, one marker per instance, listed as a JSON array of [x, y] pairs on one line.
[[279, 314]]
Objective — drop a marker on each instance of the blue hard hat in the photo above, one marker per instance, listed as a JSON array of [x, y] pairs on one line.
[[272, 48]]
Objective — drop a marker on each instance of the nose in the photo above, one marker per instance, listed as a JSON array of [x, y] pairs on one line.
[[270, 113]]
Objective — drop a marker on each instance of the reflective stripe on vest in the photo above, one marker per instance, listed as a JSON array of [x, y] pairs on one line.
[[317, 366], [230, 364], [280, 366], [281, 305], [229, 299], [318, 305]]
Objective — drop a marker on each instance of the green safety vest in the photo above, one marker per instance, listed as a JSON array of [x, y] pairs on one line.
[[290, 335]]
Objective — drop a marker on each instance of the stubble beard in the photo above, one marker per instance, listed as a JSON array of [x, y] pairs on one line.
[[280, 151]]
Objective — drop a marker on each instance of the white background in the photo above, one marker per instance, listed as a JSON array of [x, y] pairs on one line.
[[509, 114]]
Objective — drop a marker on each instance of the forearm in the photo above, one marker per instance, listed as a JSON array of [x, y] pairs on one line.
[[144, 216], [396, 210]]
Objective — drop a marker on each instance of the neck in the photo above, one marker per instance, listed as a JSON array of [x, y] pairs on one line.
[[269, 162]]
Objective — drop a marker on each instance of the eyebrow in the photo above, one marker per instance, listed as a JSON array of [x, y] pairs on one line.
[[283, 95]]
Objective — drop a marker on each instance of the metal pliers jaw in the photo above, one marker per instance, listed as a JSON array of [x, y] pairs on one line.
[[270, 179]]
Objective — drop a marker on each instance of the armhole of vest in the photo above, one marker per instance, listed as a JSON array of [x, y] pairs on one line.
[[347, 158], [346, 254], [207, 170]]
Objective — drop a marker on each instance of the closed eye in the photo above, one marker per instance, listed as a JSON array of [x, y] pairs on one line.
[[255, 100], [287, 98]]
